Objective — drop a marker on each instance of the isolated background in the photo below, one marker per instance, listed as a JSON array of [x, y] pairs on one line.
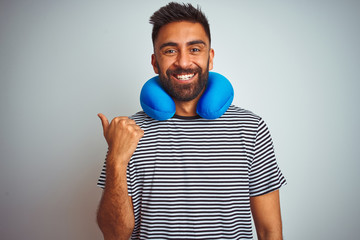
[[295, 63]]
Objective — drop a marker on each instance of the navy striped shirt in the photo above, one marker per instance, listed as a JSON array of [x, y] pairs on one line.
[[192, 178]]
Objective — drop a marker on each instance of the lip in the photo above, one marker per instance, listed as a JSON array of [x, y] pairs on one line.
[[184, 81]]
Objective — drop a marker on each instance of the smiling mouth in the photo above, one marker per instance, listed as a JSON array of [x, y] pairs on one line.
[[184, 77]]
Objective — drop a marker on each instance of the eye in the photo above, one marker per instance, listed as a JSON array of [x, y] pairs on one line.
[[169, 51], [194, 50]]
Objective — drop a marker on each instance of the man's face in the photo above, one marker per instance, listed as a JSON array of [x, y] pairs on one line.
[[182, 58]]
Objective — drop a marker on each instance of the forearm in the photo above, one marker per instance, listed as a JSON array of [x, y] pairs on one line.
[[267, 216], [266, 234], [115, 214]]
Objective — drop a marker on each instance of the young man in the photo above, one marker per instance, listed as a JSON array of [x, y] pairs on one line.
[[188, 177]]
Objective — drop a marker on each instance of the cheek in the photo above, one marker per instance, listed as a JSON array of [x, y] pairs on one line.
[[164, 64]]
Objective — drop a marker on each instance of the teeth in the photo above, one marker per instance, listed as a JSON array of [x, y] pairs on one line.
[[184, 77]]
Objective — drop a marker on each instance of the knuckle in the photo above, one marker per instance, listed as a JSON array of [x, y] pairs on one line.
[[140, 133], [114, 120]]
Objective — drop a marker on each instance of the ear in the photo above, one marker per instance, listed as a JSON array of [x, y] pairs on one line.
[[211, 58], [153, 63]]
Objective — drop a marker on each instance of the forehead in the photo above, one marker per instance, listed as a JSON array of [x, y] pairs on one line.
[[181, 33]]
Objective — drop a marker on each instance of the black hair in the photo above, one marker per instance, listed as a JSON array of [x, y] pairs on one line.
[[176, 12]]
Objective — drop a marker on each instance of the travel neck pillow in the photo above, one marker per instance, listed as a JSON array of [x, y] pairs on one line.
[[214, 102]]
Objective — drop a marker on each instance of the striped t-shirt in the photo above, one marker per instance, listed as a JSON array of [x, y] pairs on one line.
[[191, 178]]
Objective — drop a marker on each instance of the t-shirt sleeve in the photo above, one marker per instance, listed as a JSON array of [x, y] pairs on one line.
[[265, 175], [129, 178], [102, 178]]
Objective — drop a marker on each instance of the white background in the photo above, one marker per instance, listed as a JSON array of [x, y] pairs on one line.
[[295, 63]]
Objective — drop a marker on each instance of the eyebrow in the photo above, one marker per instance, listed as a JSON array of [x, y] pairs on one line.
[[196, 42], [174, 44]]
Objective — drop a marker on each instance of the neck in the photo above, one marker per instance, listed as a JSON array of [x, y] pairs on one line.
[[187, 108]]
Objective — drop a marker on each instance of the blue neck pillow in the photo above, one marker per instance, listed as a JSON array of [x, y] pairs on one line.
[[214, 102]]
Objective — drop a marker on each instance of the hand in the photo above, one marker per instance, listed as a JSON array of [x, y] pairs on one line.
[[122, 136]]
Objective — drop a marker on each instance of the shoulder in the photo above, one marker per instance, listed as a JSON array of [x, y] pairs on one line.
[[140, 117], [241, 114]]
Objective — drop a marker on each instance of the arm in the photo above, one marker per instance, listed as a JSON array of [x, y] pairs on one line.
[[115, 215], [267, 216]]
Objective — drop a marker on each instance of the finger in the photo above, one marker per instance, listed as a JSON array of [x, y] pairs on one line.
[[104, 122], [136, 127], [131, 121], [122, 118], [125, 120]]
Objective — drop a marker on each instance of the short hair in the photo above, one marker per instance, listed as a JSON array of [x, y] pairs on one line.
[[176, 12]]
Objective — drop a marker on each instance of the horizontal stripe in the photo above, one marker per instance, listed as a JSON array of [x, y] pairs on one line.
[[193, 178]]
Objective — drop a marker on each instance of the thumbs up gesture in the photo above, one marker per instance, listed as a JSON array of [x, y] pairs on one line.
[[122, 136]]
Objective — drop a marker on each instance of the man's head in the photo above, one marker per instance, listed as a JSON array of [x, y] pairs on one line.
[[176, 12], [182, 54]]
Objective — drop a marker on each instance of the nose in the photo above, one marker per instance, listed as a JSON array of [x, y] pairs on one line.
[[183, 60]]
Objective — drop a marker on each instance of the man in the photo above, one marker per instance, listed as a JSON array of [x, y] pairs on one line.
[[188, 177]]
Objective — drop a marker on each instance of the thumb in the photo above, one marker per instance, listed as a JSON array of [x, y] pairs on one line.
[[104, 122]]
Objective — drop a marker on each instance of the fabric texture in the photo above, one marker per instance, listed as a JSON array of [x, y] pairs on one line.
[[192, 178]]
